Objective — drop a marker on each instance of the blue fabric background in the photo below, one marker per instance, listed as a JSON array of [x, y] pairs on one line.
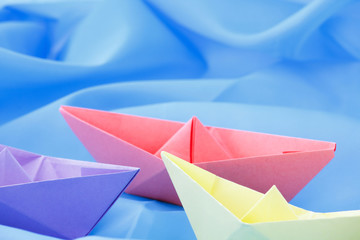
[[288, 67]]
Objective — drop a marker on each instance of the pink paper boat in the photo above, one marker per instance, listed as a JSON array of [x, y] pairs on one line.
[[255, 160], [57, 197]]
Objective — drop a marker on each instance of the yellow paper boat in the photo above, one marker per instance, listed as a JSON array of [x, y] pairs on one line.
[[220, 209]]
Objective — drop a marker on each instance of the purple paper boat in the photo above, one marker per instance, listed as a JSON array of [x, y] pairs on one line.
[[54, 196]]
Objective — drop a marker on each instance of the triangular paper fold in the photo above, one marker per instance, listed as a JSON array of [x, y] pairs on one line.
[[62, 199], [271, 207], [255, 160], [180, 143], [218, 213], [10, 170], [194, 143]]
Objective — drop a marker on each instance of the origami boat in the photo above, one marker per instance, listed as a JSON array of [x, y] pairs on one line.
[[220, 209], [255, 160], [57, 197]]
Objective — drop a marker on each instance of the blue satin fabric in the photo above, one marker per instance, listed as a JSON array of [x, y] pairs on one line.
[[281, 67]]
